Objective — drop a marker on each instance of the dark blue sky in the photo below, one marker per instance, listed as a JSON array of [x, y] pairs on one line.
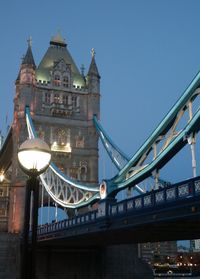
[[147, 52]]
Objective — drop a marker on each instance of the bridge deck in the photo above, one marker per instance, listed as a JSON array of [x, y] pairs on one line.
[[169, 213]]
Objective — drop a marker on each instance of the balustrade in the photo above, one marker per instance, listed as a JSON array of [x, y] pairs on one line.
[[153, 199]]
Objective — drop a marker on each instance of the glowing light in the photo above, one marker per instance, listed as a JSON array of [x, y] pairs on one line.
[[61, 147], [103, 190], [34, 159], [34, 156], [2, 177]]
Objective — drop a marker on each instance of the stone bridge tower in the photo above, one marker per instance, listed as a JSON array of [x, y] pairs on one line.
[[62, 102]]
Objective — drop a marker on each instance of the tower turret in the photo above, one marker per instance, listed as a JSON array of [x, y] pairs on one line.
[[93, 77], [27, 69]]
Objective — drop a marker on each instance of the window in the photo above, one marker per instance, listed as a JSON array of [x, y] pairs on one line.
[[2, 212], [74, 101], [56, 80], [83, 173], [79, 141], [1, 192], [74, 173], [65, 100], [57, 77], [56, 98], [65, 81], [62, 137], [47, 98]]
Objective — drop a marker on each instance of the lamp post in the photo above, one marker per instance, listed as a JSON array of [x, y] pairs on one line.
[[34, 158]]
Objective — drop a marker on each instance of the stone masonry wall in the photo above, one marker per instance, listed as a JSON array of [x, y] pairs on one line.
[[114, 262], [9, 256]]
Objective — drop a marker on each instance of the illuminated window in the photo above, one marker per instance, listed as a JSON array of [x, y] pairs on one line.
[[62, 137], [61, 141], [56, 98]]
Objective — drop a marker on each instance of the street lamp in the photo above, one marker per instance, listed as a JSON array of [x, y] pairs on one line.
[[34, 157]]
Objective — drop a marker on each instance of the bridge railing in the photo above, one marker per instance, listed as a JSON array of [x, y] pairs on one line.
[[109, 208], [161, 197], [68, 223]]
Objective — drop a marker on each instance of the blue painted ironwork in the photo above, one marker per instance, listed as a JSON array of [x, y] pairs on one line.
[[118, 157], [136, 170], [153, 200]]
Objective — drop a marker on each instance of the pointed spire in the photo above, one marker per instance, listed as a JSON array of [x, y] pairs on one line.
[[27, 69], [93, 70], [28, 58]]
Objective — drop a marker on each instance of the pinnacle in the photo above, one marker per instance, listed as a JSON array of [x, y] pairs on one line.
[[28, 58], [93, 70]]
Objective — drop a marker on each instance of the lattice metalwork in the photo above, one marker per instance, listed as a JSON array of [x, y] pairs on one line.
[[120, 159], [64, 193], [177, 129], [62, 189]]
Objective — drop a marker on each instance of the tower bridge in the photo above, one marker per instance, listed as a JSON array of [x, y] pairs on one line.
[[60, 105]]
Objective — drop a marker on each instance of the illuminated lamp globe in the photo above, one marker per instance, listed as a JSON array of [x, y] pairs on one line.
[[34, 156], [103, 190], [2, 177]]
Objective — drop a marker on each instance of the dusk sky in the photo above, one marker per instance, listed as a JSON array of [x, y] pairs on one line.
[[147, 52]]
